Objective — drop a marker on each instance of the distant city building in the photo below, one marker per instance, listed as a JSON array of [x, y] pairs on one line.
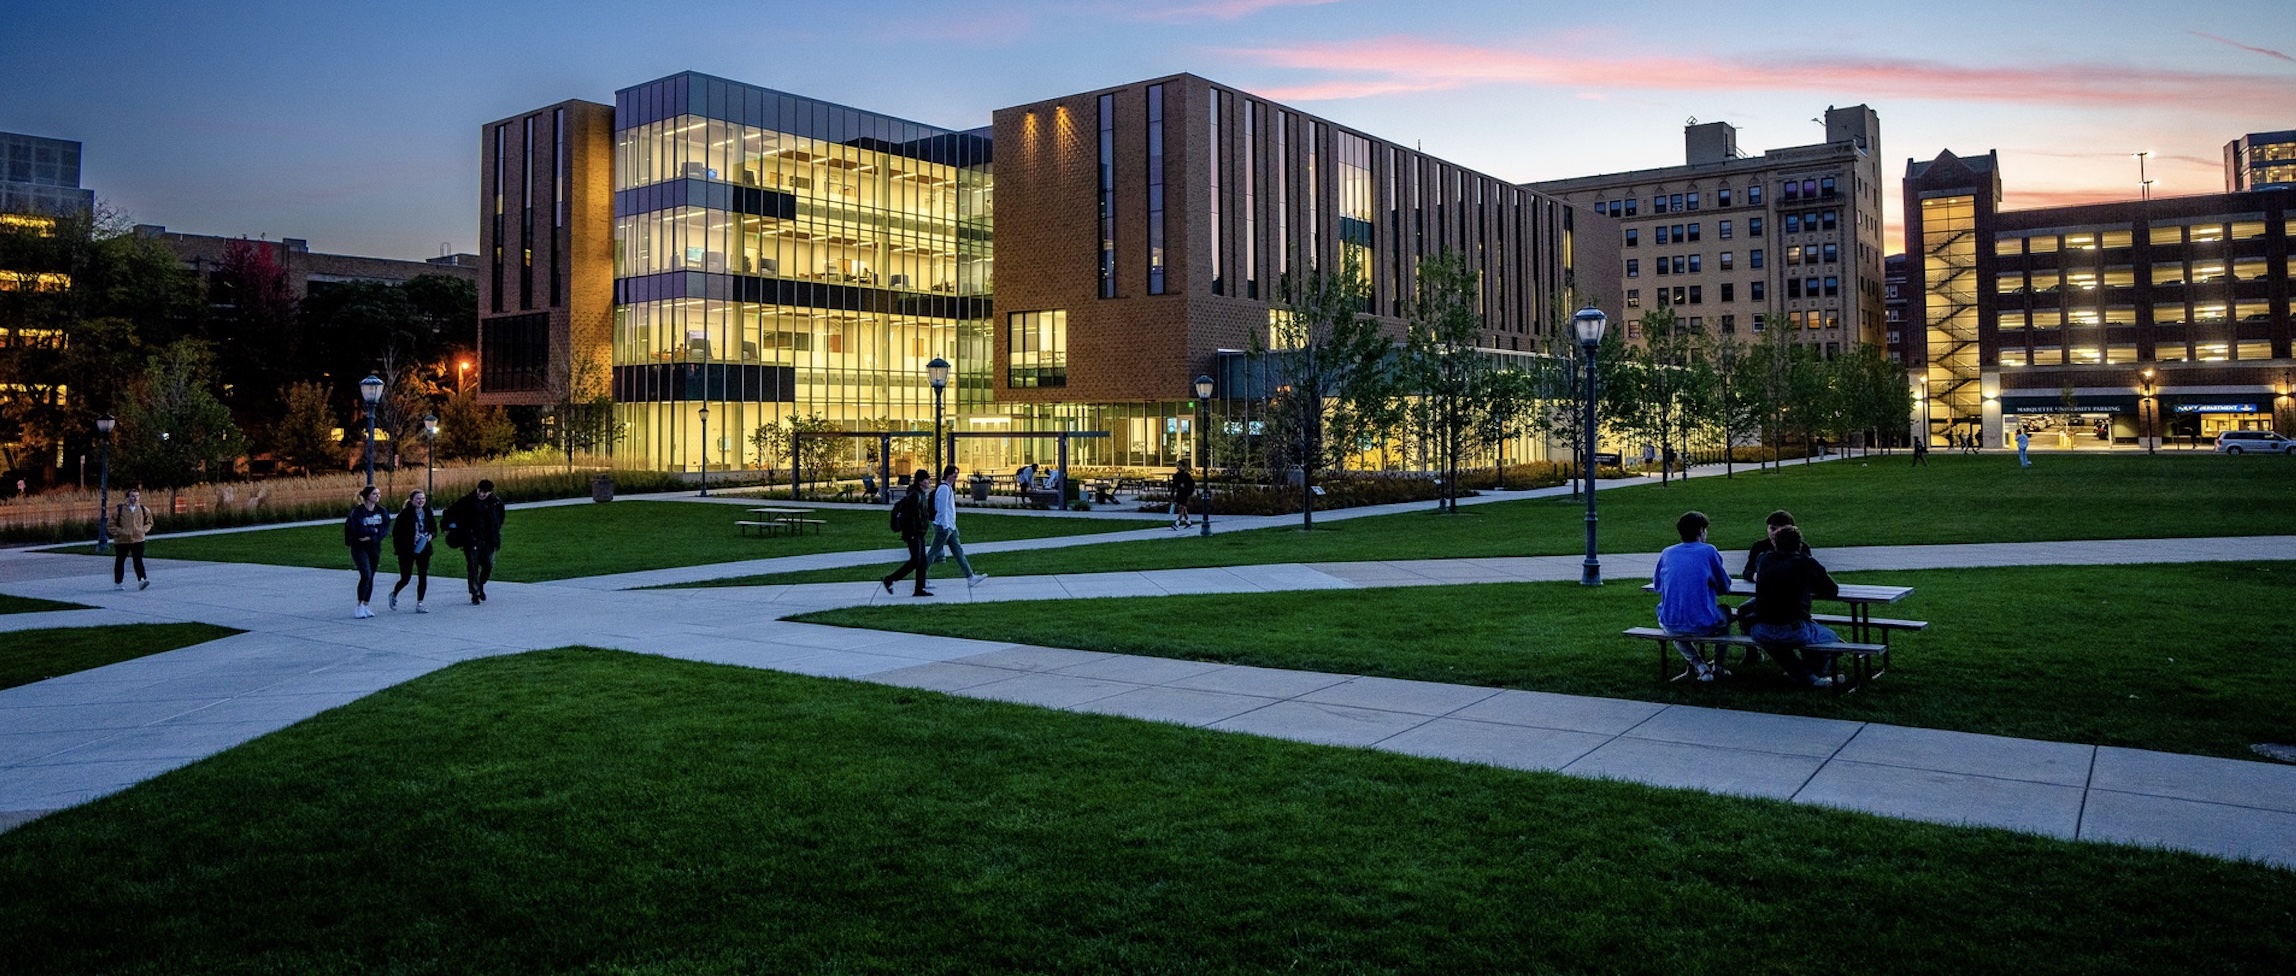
[[707, 243], [2025, 317], [305, 270], [1893, 305], [1725, 238], [2261, 161], [40, 176]]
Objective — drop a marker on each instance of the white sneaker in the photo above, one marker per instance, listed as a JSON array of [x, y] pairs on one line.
[[120, 586], [143, 584], [419, 607], [975, 579], [360, 612]]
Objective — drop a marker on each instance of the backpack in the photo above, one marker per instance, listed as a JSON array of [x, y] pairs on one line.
[[905, 515]]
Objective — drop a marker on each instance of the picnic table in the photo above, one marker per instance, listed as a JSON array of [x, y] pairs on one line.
[[1871, 658], [778, 519]]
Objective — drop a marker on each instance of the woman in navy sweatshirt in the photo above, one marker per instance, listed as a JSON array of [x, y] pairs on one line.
[[363, 531]]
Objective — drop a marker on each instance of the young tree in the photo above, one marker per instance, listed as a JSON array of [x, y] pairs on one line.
[[173, 432], [1442, 364], [306, 435], [469, 430], [1322, 341]]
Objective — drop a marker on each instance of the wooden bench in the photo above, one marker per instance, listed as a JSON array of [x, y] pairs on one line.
[[1862, 655], [764, 528]]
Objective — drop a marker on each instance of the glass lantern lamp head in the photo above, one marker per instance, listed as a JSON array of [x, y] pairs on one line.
[[705, 411], [430, 425], [1588, 324], [371, 389], [1203, 387], [104, 425], [938, 372]]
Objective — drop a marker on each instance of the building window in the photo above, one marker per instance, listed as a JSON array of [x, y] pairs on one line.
[[1722, 198], [1754, 291], [1729, 294], [1754, 195], [1658, 235], [1789, 192], [1038, 350], [1695, 261], [1793, 223], [1793, 288], [1674, 203], [1753, 226], [526, 222], [1832, 219], [1631, 203], [1833, 253], [1826, 188], [1729, 322], [1693, 201], [1251, 200], [1283, 195], [1108, 196], [1155, 189], [1658, 203], [1723, 230], [1634, 267], [1812, 287], [1754, 258], [1634, 298], [1678, 290], [1219, 243], [1728, 260], [499, 164], [1697, 294], [1634, 237], [1693, 233], [514, 353], [1833, 287]]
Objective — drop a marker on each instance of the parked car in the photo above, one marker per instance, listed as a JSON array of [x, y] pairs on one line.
[[2257, 441]]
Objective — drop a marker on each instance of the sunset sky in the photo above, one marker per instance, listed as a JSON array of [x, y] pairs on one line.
[[355, 125]]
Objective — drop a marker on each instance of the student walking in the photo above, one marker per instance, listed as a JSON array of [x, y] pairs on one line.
[[474, 525], [945, 527], [910, 517], [363, 531], [411, 541], [131, 523], [2023, 440], [1921, 451], [1183, 491]]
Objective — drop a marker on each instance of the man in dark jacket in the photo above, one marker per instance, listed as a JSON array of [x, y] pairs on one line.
[[474, 522], [1780, 519], [911, 516], [1784, 583]]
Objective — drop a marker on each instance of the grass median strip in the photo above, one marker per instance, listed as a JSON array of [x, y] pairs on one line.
[[2075, 654], [27, 656], [568, 541], [1876, 501], [600, 812], [29, 604]]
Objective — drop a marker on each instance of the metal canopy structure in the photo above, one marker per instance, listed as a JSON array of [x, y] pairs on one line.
[[885, 449]]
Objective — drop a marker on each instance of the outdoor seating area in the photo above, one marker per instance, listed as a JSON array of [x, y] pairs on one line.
[[777, 520], [1867, 649]]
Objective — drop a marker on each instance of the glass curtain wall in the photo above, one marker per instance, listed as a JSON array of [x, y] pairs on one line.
[[777, 257]]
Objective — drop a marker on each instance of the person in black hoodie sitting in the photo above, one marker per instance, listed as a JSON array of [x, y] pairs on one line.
[[1785, 581]]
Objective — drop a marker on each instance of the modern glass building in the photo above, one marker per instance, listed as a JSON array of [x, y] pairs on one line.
[[779, 255]]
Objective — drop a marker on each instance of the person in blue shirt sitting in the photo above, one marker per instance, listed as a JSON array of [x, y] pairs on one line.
[[1689, 580]]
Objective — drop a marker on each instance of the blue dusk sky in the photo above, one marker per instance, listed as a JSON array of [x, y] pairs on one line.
[[355, 125]]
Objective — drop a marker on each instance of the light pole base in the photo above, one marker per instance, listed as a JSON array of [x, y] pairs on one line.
[[1590, 574]]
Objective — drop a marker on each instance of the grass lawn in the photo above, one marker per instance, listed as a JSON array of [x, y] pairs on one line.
[[1853, 502], [2064, 653], [567, 541], [590, 811], [28, 604], [27, 656]]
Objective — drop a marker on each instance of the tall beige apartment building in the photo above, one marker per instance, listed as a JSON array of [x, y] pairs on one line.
[[1734, 243]]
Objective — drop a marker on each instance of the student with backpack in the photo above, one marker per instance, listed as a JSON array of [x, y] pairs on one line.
[[911, 516]]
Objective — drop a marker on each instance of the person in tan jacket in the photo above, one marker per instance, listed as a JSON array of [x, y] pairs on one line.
[[130, 523]]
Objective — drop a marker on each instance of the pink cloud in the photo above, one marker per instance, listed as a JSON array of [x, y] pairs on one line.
[[1214, 9], [1396, 64], [2267, 52]]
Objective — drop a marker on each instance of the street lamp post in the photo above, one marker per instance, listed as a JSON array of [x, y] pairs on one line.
[[371, 390], [430, 455], [2152, 443], [104, 487], [705, 414], [1589, 323], [1204, 446], [1925, 417], [938, 372]]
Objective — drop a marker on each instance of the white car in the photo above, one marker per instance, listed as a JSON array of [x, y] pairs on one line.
[[2257, 441]]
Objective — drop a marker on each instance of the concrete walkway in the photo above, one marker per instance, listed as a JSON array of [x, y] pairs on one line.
[[74, 738]]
